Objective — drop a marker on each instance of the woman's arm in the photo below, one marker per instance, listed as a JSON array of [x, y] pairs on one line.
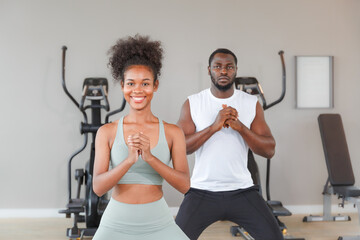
[[103, 178]]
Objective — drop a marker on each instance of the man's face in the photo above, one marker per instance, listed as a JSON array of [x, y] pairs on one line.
[[222, 71]]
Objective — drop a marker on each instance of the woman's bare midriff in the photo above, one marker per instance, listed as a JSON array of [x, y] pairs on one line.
[[137, 193]]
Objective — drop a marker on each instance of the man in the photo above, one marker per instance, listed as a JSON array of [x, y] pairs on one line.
[[220, 125]]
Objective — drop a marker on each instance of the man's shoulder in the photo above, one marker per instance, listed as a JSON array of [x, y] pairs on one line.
[[199, 96], [242, 94], [201, 93]]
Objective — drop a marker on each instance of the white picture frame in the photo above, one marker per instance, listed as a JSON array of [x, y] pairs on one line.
[[314, 81]]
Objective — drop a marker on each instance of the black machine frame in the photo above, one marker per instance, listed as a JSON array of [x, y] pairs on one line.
[[90, 208]]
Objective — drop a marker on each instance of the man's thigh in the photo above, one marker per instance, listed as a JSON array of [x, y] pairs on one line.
[[250, 211], [196, 213]]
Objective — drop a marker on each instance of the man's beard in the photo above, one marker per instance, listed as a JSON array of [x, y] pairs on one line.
[[222, 87]]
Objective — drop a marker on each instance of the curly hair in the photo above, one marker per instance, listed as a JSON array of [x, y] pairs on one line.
[[137, 50]]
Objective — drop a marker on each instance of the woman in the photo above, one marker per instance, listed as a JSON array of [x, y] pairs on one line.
[[138, 148]]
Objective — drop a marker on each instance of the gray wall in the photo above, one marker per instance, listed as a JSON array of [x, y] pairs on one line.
[[40, 126]]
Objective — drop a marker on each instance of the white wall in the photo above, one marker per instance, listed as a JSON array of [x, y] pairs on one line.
[[40, 126]]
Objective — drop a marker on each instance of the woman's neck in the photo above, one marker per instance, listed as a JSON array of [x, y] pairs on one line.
[[140, 116]]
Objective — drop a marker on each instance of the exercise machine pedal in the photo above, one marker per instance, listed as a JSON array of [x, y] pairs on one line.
[[278, 209], [237, 230]]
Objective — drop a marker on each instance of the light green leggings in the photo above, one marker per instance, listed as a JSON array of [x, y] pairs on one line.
[[138, 222]]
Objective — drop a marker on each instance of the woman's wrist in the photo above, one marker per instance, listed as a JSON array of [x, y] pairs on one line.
[[130, 161], [147, 157]]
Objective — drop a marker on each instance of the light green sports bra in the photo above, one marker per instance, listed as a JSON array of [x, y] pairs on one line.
[[141, 172]]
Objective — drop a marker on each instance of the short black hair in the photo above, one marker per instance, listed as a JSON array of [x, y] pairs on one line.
[[222, 50], [137, 50]]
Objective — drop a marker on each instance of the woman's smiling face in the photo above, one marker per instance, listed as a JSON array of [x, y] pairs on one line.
[[139, 86]]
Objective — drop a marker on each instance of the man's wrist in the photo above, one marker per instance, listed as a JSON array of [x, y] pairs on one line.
[[239, 127], [213, 129]]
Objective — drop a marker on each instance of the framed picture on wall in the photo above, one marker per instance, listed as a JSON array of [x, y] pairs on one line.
[[314, 81]]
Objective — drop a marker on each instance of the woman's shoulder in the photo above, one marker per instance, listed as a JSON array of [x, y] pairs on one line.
[[108, 128]]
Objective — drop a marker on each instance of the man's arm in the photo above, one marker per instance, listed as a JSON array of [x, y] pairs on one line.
[[258, 137], [194, 140]]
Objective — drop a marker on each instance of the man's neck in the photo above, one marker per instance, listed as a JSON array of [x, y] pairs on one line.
[[221, 94]]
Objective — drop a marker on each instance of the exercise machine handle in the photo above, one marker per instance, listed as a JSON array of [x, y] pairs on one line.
[[268, 198], [115, 111], [64, 48], [281, 53]]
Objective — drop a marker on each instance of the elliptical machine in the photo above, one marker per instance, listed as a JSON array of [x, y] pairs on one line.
[[90, 208], [252, 86]]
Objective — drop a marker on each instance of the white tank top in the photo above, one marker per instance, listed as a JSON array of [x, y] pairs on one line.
[[221, 162]]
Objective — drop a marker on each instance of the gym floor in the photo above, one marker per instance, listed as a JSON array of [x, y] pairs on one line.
[[54, 229]]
